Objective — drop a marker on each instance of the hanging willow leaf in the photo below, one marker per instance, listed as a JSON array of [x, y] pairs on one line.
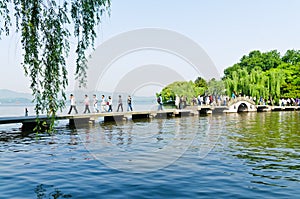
[[46, 28]]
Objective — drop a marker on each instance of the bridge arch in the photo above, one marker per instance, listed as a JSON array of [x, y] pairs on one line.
[[241, 104], [242, 108]]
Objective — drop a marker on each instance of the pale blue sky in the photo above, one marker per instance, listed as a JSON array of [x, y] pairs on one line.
[[225, 29]]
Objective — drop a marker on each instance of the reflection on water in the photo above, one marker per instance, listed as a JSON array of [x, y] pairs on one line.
[[221, 156], [270, 145], [116, 133], [141, 145], [42, 192]]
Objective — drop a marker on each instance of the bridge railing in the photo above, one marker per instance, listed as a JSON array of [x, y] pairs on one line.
[[237, 99]]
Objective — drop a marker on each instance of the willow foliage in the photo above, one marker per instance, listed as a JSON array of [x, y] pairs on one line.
[[271, 75], [46, 29], [256, 83]]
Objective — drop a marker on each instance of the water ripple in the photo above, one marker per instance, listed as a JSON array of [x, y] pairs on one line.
[[254, 155]]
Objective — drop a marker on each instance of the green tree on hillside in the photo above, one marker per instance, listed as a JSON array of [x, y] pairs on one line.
[[200, 82], [230, 70], [291, 57], [264, 61], [291, 86], [256, 60]]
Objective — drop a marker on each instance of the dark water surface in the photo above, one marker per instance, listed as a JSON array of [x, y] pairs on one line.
[[221, 156]]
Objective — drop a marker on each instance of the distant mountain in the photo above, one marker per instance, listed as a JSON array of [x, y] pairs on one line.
[[13, 97], [9, 94], [15, 101]]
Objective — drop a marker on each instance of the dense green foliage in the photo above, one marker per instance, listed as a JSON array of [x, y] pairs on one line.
[[46, 29], [215, 87], [192, 89], [181, 88], [200, 82], [256, 83], [266, 75], [291, 86]]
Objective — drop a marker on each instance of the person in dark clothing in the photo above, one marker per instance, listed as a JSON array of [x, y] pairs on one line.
[[129, 101], [120, 104], [160, 104], [109, 103]]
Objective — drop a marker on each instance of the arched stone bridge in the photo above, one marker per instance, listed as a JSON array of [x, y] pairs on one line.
[[241, 104]]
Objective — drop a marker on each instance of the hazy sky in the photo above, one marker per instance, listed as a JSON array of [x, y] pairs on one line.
[[225, 29]]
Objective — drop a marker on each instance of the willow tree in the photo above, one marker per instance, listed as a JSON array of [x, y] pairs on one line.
[[238, 83], [232, 83], [256, 83], [46, 29], [215, 87], [276, 79]]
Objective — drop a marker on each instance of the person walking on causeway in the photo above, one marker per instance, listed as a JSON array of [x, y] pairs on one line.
[[120, 103], [129, 101], [103, 104], [86, 104], [95, 104], [159, 101], [109, 103], [73, 104]]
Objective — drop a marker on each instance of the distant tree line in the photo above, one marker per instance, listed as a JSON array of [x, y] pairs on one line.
[[265, 75]]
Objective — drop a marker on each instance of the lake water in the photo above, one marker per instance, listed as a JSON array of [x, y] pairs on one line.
[[221, 156]]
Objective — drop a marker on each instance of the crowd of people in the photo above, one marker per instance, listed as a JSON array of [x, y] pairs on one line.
[[289, 102], [222, 100], [181, 101], [106, 104], [102, 105]]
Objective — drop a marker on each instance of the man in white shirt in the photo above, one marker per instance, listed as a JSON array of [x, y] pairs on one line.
[[73, 104], [95, 104], [103, 104]]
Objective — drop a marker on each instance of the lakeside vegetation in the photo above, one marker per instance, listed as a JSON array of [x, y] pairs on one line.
[[266, 75]]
